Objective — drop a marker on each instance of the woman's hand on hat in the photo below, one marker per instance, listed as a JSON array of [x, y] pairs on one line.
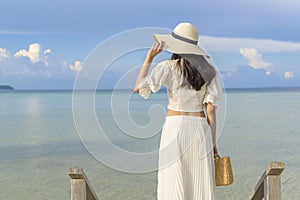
[[155, 49]]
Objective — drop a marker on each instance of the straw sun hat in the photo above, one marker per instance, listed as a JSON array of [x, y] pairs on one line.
[[182, 40]]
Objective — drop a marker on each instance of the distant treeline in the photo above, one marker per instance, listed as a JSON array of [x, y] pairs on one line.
[[6, 87]]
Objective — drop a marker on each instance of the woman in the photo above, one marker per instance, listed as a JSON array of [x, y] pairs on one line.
[[188, 140]]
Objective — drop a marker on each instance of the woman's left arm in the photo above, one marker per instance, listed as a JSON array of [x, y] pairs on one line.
[[154, 51], [213, 95], [211, 116]]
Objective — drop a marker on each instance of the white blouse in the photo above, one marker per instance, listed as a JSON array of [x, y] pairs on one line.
[[180, 98]]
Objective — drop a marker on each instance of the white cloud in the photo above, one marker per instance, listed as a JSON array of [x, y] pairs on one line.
[[224, 44], [34, 54], [76, 67], [288, 75], [255, 59], [226, 74], [3, 54], [64, 64], [47, 51], [18, 32]]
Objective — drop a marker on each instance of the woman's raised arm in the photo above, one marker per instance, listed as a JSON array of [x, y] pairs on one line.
[[155, 49]]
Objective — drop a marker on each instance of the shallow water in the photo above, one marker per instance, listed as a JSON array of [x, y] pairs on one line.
[[39, 142]]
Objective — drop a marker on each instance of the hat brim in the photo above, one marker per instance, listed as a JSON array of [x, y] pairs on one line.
[[177, 46]]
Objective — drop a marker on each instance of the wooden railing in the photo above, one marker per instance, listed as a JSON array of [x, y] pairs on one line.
[[268, 187], [81, 189], [269, 184]]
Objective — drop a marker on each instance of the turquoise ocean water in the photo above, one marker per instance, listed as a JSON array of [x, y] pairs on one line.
[[39, 142]]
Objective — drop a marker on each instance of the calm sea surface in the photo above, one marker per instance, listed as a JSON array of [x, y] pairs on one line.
[[39, 142]]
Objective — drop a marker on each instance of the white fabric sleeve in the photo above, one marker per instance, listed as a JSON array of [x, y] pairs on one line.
[[214, 91], [154, 81]]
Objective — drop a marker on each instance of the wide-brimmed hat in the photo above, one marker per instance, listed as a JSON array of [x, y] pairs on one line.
[[182, 40]]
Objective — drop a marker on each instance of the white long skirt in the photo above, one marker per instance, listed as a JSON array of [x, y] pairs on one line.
[[186, 164]]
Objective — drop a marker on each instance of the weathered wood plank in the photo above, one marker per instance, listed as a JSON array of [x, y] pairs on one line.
[[275, 168], [78, 189], [78, 174], [258, 193], [272, 189], [267, 183], [90, 194]]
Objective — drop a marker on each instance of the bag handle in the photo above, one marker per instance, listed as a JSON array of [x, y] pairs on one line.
[[217, 156]]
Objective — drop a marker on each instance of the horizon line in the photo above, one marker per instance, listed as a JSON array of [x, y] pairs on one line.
[[163, 89]]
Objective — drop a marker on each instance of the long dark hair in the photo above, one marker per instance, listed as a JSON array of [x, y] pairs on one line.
[[195, 69]]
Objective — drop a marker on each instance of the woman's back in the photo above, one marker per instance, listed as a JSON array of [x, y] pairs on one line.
[[180, 98]]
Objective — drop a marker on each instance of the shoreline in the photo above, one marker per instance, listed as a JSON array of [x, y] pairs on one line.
[[252, 89]]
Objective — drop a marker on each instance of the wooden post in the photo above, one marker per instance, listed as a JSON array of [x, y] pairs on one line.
[[269, 184], [78, 189], [81, 189], [272, 183]]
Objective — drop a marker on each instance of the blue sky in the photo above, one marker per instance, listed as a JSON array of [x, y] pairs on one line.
[[44, 43]]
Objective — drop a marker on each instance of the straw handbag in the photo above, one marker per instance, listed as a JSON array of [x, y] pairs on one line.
[[223, 171]]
